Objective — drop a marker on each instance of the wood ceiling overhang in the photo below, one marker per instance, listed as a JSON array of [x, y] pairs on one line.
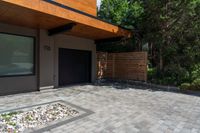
[[45, 15]]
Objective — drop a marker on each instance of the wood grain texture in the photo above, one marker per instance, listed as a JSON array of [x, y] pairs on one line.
[[40, 14], [126, 66], [87, 6]]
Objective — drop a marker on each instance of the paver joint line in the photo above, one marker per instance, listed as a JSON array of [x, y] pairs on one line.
[[114, 110]]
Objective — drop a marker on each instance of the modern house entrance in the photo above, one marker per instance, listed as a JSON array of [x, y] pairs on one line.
[[74, 66], [45, 44]]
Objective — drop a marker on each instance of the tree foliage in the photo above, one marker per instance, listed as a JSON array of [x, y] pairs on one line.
[[122, 12], [171, 28], [127, 14]]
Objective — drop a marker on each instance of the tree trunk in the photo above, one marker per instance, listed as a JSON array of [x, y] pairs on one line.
[[161, 61]]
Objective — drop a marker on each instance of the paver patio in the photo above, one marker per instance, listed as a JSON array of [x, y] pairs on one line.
[[119, 110]]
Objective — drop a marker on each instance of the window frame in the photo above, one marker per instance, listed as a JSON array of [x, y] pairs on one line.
[[34, 56]]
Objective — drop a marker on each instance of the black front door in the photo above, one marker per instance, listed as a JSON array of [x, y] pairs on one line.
[[74, 66]]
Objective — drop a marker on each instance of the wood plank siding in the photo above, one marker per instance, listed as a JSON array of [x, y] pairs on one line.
[[125, 66], [44, 15]]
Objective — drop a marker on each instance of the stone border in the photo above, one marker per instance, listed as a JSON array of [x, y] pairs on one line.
[[140, 85], [147, 86], [43, 91], [49, 127]]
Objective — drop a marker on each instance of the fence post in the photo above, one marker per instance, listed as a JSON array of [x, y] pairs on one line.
[[146, 60], [113, 66]]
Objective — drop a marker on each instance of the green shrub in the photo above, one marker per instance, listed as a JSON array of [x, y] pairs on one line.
[[176, 74], [195, 84], [185, 86], [167, 81], [196, 72], [151, 73]]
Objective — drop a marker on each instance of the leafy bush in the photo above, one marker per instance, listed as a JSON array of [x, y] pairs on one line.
[[151, 73], [195, 74], [195, 84], [175, 74], [172, 75], [185, 86], [168, 81]]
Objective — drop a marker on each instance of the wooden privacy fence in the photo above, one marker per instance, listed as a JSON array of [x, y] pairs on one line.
[[125, 66]]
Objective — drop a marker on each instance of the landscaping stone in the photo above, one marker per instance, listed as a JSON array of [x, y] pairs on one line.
[[18, 121], [138, 84]]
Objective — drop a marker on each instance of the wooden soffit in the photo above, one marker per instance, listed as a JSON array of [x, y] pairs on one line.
[[45, 15]]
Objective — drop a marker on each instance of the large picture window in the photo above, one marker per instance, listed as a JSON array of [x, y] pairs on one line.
[[16, 55]]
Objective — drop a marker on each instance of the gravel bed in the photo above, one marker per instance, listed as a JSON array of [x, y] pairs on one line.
[[17, 122], [123, 84]]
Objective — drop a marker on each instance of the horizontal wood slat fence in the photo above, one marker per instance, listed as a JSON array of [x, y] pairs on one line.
[[124, 66]]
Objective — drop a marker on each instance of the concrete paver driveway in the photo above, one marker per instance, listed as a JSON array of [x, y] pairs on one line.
[[119, 110]]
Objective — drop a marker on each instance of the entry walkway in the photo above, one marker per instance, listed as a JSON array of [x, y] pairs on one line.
[[119, 110]]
